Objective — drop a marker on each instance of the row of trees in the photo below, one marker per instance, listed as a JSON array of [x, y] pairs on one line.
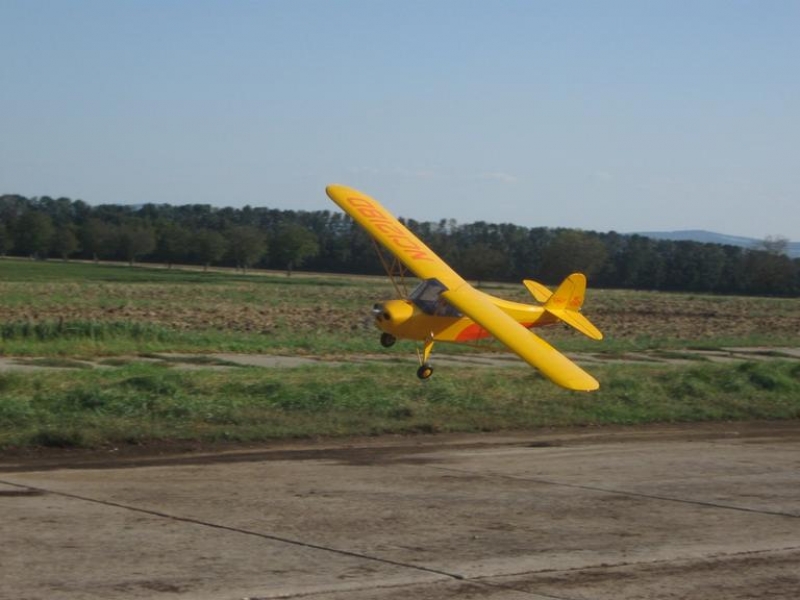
[[329, 241], [46, 228]]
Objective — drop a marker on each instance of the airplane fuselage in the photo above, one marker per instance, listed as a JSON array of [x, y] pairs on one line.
[[405, 319]]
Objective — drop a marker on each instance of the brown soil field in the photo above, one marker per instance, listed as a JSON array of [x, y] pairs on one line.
[[624, 315], [305, 307], [242, 307]]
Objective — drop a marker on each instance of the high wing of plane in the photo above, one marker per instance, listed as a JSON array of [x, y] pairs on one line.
[[445, 307]]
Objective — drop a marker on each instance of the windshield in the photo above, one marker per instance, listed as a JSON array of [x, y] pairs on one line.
[[427, 296]]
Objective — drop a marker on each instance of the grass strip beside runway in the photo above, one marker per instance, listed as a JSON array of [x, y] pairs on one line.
[[146, 403]]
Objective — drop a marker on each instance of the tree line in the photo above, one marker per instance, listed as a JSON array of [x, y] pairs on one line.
[[200, 234]]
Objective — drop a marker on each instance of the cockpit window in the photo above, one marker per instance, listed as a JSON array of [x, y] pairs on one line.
[[427, 296]]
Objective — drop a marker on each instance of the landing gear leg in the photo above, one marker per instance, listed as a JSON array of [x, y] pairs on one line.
[[425, 370]]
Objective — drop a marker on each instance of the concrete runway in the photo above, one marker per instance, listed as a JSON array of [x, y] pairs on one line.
[[703, 511]]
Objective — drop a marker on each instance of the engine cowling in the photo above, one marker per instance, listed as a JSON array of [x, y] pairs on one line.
[[393, 313]]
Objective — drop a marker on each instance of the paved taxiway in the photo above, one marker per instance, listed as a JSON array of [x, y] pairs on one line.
[[706, 512]]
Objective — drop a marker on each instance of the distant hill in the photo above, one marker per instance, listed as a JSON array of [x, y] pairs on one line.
[[709, 237]]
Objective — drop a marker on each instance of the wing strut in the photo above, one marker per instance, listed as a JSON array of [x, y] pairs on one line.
[[395, 269]]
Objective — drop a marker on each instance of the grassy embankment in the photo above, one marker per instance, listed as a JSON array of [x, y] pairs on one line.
[[66, 311]]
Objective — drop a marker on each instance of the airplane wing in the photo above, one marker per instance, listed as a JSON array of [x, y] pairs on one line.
[[393, 235], [527, 345]]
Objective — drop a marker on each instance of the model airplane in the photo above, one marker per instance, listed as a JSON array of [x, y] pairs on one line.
[[444, 307]]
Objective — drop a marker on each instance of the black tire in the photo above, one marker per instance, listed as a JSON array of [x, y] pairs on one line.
[[387, 340], [424, 372]]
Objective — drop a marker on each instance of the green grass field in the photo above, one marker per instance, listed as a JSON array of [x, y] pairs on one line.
[[55, 314]]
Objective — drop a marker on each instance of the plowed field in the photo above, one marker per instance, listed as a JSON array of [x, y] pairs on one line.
[[259, 304]]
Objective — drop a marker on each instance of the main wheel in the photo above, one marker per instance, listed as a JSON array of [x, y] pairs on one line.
[[387, 340], [425, 371]]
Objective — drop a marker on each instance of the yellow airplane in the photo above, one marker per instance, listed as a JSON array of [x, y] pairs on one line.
[[444, 307]]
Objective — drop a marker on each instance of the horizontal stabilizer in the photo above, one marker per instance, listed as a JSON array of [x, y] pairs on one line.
[[540, 293], [575, 319]]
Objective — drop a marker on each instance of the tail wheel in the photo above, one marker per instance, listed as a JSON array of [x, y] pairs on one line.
[[425, 371], [387, 340]]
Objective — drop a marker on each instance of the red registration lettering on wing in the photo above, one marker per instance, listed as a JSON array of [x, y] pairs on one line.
[[390, 228]]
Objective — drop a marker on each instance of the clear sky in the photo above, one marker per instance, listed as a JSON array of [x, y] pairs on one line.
[[602, 115]]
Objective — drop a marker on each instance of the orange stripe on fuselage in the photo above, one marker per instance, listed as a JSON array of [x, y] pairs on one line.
[[476, 332], [472, 332], [393, 230]]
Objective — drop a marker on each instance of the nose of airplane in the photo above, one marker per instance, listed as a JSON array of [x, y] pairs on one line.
[[393, 312], [378, 312]]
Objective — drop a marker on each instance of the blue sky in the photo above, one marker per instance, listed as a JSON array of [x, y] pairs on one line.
[[625, 116]]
